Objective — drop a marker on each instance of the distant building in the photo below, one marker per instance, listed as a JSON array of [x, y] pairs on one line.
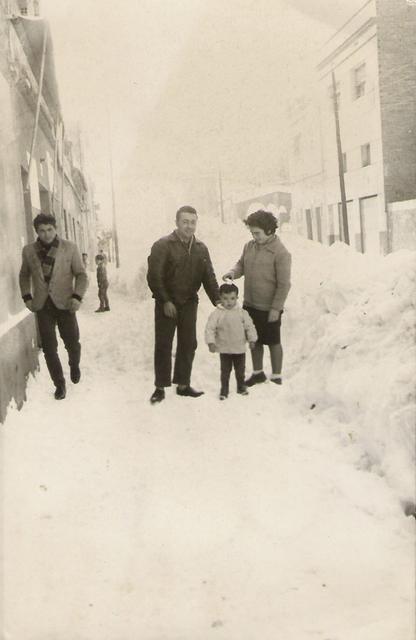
[[372, 60], [36, 174], [277, 200]]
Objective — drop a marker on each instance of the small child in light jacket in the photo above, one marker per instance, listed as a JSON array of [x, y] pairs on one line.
[[228, 329]]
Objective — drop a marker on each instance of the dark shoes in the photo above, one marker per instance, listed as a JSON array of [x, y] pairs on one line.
[[75, 374], [189, 391], [60, 392], [99, 310], [276, 380], [157, 396], [242, 390], [223, 394], [255, 378], [106, 308]]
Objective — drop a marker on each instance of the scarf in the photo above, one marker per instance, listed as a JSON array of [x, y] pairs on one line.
[[47, 255]]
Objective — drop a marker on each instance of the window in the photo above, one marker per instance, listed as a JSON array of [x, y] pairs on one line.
[[365, 154], [344, 162], [318, 223], [309, 228], [331, 224], [358, 79]]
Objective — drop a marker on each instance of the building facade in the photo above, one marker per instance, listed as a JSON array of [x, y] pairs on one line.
[[365, 78], [276, 199], [36, 174]]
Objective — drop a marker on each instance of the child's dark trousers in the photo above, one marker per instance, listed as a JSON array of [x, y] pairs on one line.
[[228, 360]]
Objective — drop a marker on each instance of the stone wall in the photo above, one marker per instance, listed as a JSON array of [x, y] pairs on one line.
[[396, 29], [19, 358]]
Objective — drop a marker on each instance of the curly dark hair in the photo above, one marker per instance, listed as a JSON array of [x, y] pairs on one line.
[[228, 288], [44, 218], [262, 219]]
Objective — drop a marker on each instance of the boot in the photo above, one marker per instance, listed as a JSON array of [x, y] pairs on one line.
[[60, 391], [188, 391], [255, 378], [157, 396], [75, 374]]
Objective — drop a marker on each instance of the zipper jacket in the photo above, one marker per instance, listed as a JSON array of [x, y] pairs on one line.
[[177, 270]]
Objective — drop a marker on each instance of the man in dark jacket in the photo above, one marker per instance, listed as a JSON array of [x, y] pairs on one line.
[[52, 283], [178, 265]]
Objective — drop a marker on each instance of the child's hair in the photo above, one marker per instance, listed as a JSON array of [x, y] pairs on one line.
[[228, 288], [99, 258]]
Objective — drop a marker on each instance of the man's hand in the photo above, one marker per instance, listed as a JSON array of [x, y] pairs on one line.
[[252, 345], [212, 347], [29, 305], [274, 315], [228, 276], [169, 310], [73, 305]]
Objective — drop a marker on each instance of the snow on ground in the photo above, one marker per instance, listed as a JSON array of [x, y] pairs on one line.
[[258, 517]]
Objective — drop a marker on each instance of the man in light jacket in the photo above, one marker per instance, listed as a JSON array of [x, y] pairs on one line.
[[265, 264], [53, 282]]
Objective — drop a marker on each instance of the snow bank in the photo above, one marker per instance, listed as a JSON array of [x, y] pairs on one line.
[[349, 342], [350, 325]]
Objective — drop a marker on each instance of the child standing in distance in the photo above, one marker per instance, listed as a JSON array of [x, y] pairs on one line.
[[228, 329], [102, 282]]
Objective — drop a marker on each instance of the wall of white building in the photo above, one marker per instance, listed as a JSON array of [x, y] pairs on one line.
[[314, 167]]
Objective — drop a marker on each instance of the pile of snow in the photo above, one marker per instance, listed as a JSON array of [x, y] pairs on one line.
[[350, 342]]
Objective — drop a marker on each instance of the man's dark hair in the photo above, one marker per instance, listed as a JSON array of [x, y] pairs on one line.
[[44, 218], [228, 288], [262, 219], [185, 209]]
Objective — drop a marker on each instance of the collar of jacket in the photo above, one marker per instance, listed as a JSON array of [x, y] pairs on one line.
[[43, 245], [236, 307], [269, 245], [174, 237]]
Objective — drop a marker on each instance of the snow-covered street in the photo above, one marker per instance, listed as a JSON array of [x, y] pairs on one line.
[[266, 517]]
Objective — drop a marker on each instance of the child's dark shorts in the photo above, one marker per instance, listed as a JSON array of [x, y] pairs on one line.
[[268, 332]]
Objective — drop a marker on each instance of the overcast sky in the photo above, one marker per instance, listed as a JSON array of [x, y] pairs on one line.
[[189, 85]]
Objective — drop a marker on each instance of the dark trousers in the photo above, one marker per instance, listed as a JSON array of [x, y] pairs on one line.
[[48, 318], [103, 297], [185, 326], [228, 360]]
